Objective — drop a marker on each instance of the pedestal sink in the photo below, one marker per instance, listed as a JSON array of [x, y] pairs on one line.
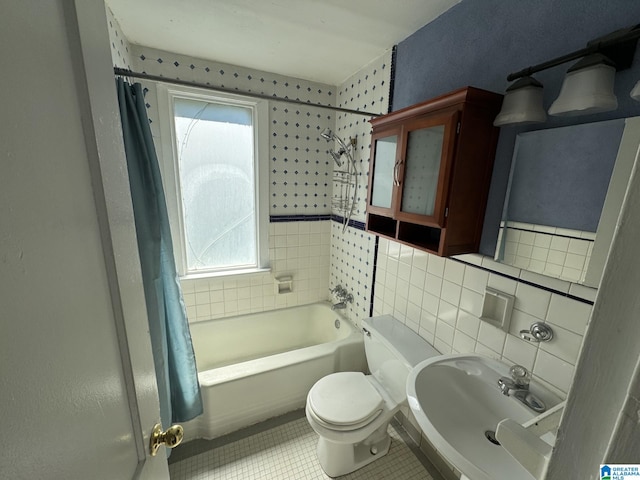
[[458, 405]]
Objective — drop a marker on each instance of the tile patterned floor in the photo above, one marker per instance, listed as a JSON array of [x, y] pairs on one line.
[[289, 452]]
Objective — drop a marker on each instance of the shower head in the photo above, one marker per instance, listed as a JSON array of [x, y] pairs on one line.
[[327, 134], [336, 156]]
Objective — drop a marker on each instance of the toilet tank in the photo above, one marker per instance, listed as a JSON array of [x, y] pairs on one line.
[[392, 350]]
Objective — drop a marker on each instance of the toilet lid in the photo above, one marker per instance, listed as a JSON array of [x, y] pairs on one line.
[[345, 398]]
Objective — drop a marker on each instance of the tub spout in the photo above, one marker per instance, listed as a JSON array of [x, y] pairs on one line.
[[339, 306]]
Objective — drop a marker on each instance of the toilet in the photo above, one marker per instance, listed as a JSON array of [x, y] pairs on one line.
[[351, 411]]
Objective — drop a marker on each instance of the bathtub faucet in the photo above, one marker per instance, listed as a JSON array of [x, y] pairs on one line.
[[343, 296]]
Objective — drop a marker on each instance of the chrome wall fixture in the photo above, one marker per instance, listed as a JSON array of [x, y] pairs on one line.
[[345, 177], [587, 86]]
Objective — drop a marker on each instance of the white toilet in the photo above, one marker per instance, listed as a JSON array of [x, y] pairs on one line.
[[351, 411]]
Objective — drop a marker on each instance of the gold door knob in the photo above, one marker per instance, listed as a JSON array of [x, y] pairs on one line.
[[170, 438]]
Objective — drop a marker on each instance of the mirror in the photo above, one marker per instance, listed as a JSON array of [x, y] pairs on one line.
[[565, 192]]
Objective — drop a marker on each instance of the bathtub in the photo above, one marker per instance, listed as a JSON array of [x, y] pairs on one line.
[[257, 366]]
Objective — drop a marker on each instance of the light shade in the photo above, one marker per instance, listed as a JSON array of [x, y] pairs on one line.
[[635, 92], [587, 88], [522, 104]]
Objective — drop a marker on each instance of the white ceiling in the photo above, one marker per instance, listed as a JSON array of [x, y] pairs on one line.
[[320, 40]]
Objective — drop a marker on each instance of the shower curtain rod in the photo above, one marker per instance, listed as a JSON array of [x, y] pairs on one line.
[[123, 72]]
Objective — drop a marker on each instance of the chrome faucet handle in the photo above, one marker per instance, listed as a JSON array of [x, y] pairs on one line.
[[520, 375], [505, 385], [538, 332]]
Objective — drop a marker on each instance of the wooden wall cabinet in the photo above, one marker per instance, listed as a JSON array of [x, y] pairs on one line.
[[430, 171]]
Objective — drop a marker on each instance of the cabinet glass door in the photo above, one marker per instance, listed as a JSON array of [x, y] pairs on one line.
[[384, 170], [422, 170]]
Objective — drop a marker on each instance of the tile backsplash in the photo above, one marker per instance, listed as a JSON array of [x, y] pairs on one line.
[[556, 252], [441, 299]]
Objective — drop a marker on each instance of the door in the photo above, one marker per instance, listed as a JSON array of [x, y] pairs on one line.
[[425, 169], [78, 396], [384, 170]]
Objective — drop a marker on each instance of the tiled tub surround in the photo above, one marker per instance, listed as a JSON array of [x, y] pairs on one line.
[[556, 252], [352, 259], [297, 249], [299, 164], [353, 252], [299, 185]]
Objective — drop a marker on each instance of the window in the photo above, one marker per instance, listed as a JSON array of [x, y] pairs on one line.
[[216, 179]]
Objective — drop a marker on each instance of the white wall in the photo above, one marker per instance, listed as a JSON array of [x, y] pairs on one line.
[[65, 298]]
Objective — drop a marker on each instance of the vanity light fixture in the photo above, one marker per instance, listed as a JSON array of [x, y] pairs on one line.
[[522, 103], [587, 87]]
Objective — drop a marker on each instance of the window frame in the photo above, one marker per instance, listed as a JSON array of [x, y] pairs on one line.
[[169, 167]]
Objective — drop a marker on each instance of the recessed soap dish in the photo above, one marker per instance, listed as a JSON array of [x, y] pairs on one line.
[[496, 308], [284, 285]]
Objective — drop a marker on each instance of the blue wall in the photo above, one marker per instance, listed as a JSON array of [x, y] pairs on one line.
[[479, 42], [560, 176]]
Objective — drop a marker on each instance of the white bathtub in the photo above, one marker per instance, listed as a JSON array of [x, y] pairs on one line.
[[254, 367]]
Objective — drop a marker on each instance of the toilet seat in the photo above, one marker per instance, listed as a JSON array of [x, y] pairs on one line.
[[345, 401]]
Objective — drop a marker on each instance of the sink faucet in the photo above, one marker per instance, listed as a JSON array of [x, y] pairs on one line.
[[518, 387], [343, 296]]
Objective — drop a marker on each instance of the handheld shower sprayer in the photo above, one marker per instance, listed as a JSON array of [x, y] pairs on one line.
[[328, 135], [345, 178]]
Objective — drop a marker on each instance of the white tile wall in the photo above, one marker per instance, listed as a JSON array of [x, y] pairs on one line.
[[352, 252], [299, 163], [299, 182], [455, 327], [540, 249], [120, 48], [352, 259], [297, 249]]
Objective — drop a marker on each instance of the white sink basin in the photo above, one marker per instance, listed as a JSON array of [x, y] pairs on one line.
[[456, 400]]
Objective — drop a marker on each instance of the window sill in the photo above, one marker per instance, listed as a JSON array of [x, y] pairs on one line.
[[226, 273]]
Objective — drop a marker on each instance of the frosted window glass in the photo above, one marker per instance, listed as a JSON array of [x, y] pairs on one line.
[[424, 150], [215, 149], [383, 171]]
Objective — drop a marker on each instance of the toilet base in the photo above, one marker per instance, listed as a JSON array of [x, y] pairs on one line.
[[341, 458]]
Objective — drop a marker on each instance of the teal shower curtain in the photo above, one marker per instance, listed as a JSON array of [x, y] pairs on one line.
[[178, 387]]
